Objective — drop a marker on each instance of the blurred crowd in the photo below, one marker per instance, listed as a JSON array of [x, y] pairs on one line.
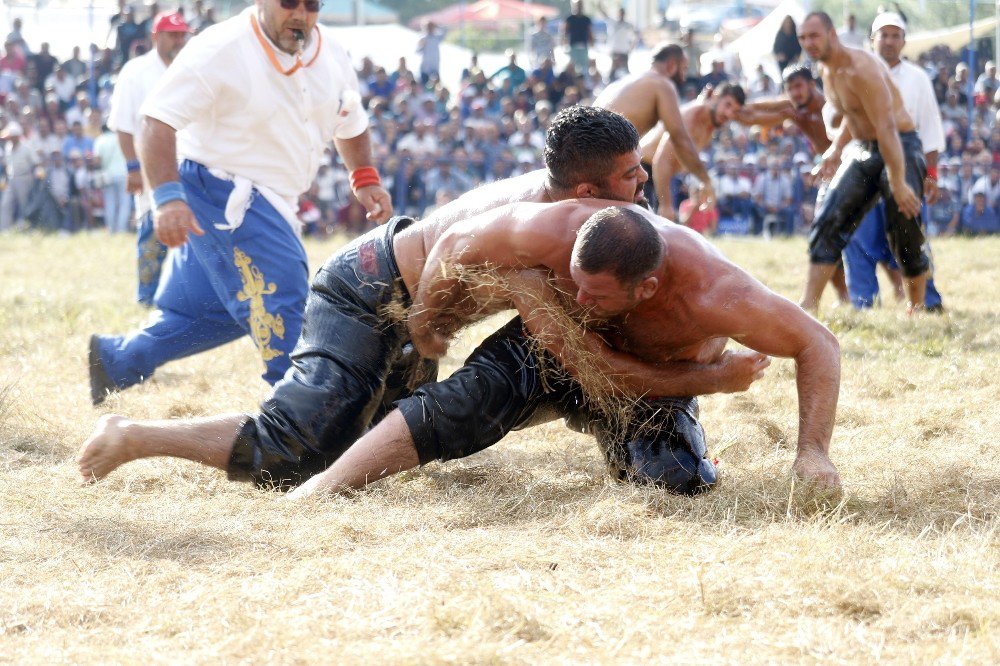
[[63, 170]]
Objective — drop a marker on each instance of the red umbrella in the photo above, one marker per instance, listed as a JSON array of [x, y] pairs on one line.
[[487, 12]]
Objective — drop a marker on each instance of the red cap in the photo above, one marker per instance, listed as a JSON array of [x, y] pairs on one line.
[[170, 22]]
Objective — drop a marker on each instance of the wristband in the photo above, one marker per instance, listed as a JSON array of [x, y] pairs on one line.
[[932, 172], [364, 177], [133, 166], [167, 192]]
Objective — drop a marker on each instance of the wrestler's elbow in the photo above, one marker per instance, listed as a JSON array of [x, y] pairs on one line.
[[821, 353]]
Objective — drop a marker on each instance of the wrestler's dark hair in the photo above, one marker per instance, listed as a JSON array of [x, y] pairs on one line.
[[667, 51], [583, 141], [823, 17], [619, 241], [733, 90], [797, 71]]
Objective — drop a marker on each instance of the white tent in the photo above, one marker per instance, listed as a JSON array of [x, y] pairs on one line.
[[755, 45], [955, 37]]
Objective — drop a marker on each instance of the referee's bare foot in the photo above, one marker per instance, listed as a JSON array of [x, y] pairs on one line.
[[105, 449]]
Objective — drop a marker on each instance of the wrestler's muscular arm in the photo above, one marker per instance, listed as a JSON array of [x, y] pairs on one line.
[[492, 239], [766, 113], [878, 105], [357, 152], [775, 326], [158, 154], [669, 112]]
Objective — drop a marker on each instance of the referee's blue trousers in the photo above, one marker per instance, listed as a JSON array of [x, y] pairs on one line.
[[869, 247], [219, 287]]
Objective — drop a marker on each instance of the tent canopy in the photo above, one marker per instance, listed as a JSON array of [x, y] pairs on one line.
[[488, 12], [955, 37], [755, 45]]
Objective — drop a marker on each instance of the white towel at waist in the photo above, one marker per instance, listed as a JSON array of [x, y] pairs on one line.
[[242, 196]]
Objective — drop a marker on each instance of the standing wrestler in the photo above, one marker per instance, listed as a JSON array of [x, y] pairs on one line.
[[888, 161], [650, 98], [701, 118], [136, 80], [352, 359], [249, 105], [868, 246], [804, 107], [662, 293]]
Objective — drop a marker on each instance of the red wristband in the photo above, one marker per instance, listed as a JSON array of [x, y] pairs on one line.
[[932, 172], [364, 177]]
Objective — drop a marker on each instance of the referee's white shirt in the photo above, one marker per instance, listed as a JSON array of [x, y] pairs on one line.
[[917, 94], [235, 112]]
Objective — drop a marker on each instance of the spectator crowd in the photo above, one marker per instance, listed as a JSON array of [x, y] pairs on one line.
[[63, 169]]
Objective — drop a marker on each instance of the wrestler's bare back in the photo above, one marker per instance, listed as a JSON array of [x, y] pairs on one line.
[[638, 98], [846, 84], [411, 245], [697, 118], [677, 323]]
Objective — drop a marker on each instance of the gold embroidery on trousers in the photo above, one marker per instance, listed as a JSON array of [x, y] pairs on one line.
[[149, 261], [263, 324]]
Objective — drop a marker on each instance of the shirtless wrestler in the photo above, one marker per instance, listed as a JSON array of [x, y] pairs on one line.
[[354, 357], [803, 106], [701, 118], [663, 294], [651, 97], [888, 161]]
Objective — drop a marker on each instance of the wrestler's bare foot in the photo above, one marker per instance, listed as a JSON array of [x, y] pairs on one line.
[[105, 449]]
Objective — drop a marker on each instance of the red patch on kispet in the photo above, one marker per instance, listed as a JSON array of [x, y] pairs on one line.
[[368, 259]]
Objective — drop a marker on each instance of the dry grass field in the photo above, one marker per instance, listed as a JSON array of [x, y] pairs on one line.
[[525, 553]]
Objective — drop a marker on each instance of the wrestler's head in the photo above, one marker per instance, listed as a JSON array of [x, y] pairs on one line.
[[727, 100], [615, 258], [817, 35], [799, 85], [280, 23], [594, 153], [670, 60]]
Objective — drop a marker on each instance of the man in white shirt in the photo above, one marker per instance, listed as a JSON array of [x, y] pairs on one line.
[[542, 43], [249, 106], [62, 85], [20, 161], [849, 35], [136, 80], [421, 142], [622, 38], [117, 205], [869, 246]]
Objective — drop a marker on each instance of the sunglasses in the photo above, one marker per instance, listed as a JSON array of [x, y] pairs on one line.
[[312, 6]]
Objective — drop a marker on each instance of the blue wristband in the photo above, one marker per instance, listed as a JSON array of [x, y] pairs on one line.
[[133, 166], [167, 192]]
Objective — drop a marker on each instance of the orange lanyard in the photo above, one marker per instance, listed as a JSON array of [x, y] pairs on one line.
[[273, 57]]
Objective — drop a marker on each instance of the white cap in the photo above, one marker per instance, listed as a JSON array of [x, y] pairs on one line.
[[888, 18]]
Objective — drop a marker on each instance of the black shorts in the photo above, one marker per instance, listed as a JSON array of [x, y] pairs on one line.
[[507, 385], [649, 189], [351, 364], [859, 181]]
